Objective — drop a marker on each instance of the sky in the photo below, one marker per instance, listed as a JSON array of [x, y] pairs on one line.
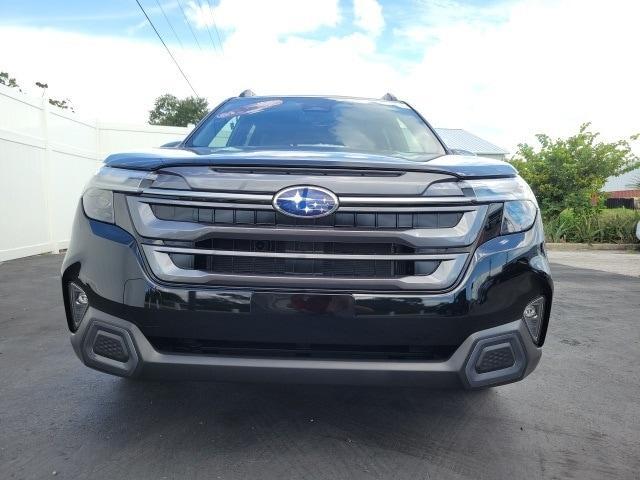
[[502, 69]]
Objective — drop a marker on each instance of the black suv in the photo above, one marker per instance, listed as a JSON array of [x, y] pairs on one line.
[[313, 239]]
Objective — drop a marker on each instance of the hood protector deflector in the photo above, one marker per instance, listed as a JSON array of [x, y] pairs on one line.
[[456, 165]]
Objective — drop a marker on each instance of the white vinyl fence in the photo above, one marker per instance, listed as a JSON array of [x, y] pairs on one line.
[[46, 156]]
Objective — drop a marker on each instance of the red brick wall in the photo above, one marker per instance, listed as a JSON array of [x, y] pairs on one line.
[[624, 194]]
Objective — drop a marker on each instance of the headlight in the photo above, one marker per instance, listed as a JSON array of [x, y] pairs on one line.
[[520, 207], [499, 189], [518, 216], [519, 204], [98, 204], [97, 198], [483, 189]]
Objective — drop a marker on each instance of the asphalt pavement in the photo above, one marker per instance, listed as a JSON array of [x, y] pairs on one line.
[[577, 416]]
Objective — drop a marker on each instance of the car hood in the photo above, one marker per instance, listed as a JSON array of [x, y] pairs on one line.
[[458, 165]]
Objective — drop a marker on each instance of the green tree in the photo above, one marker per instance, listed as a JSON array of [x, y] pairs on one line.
[[9, 81], [64, 104], [172, 111], [570, 173]]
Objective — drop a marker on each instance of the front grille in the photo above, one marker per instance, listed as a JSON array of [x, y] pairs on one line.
[[299, 350], [270, 218], [238, 239]]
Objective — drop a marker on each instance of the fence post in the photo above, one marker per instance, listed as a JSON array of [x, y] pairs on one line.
[[97, 157], [48, 194]]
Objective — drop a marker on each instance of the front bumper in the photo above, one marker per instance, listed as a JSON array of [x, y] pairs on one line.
[[460, 370], [132, 308]]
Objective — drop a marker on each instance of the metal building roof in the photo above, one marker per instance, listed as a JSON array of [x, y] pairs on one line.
[[458, 138], [626, 181]]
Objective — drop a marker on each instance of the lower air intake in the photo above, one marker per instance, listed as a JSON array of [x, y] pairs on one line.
[[110, 346], [292, 350], [495, 357]]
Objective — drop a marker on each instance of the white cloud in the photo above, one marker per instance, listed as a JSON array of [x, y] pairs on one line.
[[119, 78], [274, 17], [547, 67], [368, 16]]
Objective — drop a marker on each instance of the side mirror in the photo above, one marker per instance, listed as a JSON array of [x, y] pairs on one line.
[[173, 144]]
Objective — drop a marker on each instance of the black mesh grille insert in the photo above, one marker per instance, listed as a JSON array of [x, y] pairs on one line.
[[298, 350], [306, 267], [270, 218], [494, 358], [318, 267], [107, 346], [294, 246]]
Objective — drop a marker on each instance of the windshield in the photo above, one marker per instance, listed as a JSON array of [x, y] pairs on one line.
[[319, 123]]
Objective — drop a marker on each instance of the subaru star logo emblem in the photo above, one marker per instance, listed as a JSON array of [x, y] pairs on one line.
[[305, 202]]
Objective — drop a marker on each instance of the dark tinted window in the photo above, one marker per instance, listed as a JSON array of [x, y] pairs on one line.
[[325, 123]]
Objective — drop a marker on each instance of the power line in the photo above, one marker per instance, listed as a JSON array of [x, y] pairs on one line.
[[170, 25], [215, 27], [213, 44], [186, 19], [167, 48]]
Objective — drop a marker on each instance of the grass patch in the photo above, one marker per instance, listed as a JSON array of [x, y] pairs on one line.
[[615, 225]]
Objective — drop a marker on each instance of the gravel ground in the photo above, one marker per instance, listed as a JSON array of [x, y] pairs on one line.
[[577, 416]]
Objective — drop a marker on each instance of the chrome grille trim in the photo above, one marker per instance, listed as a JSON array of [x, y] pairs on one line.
[[344, 200], [443, 277], [260, 206], [364, 201], [148, 225], [201, 203], [315, 256], [247, 197]]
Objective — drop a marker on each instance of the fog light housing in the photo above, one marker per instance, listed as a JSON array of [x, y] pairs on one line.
[[532, 315], [78, 304]]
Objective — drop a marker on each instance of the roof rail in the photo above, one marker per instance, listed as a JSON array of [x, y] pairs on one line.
[[390, 96], [247, 93]]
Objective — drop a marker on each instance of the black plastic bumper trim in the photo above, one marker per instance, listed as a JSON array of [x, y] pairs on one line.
[[147, 362]]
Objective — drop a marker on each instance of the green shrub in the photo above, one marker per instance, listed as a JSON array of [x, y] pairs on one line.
[[593, 226], [556, 229], [571, 172], [619, 225]]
